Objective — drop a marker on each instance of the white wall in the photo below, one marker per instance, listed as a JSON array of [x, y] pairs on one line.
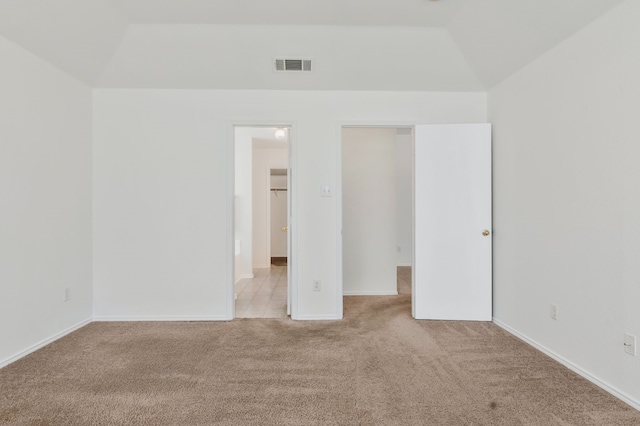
[[244, 199], [160, 174], [263, 161], [404, 197], [567, 199], [45, 218], [369, 211]]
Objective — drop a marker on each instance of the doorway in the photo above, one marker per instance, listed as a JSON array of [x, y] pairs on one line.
[[451, 218], [377, 236], [262, 160]]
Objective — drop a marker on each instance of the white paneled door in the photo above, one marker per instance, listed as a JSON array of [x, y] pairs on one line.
[[289, 234], [452, 202]]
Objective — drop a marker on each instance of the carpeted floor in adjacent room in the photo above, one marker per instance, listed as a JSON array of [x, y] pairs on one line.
[[376, 367]]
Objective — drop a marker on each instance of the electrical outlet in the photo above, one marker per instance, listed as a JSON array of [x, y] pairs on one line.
[[67, 294], [554, 311], [316, 285], [630, 344]]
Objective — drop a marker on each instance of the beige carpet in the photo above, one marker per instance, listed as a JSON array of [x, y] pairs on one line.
[[376, 367]]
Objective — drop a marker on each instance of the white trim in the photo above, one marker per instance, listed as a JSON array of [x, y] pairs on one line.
[[413, 221], [292, 203], [43, 343], [246, 276], [405, 264], [570, 365], [268, 209], [289, 214], [370, 293], [318, 318], [230, 293], [384, 124], [169, 318], [339, 303]]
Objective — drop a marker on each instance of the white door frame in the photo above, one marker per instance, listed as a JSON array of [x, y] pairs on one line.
[[268, 212], [292, 278], [339, 200]]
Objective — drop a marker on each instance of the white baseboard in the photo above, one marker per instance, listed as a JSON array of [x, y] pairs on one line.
[[571, 366], [160, 318], [43, 343], [405, 264], [370, 293], [317, 318]]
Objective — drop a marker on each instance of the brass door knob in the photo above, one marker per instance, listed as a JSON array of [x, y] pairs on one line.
[[486, 232], [285, 228]]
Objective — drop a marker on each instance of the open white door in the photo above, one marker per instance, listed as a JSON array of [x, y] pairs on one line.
[[452, 202], [288, 236]]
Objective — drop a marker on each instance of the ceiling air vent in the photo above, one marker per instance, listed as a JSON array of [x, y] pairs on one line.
[[291, 64]]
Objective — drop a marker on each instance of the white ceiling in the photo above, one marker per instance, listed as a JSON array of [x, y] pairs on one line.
[[77, 36], [445, 45]]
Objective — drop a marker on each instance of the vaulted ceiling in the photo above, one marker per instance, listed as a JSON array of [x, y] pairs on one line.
[[445, 45]]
